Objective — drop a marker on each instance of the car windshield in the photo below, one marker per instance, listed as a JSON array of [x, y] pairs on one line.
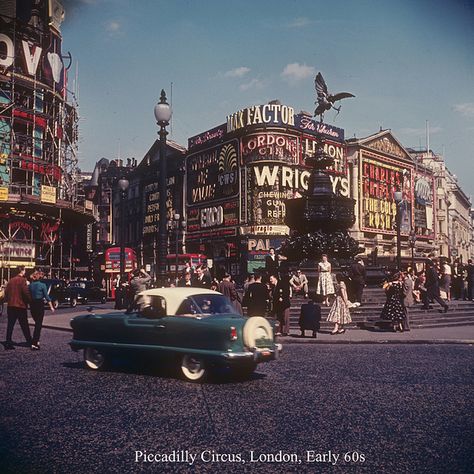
[[212, 304], [77, 284]]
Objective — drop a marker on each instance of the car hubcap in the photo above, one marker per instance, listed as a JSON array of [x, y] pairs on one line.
[[192, 367], [94, 359]]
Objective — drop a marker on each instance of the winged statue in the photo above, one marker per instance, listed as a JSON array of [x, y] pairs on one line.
[[326, 100]]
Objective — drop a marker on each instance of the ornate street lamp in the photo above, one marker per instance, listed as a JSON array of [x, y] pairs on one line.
[[398, 198], [123, 187], [412, 242], [163, 116], [178, 225]]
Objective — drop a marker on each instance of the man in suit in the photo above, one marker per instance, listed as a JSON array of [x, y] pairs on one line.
[[202, 279], [281, 304], [272, 264], [17, 297], [357, 276], [299, 283], [256, 298], [432, 287]]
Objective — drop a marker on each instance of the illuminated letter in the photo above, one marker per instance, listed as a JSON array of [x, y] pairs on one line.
[[7, 60], [265, 176], [266, 118], [31, 61]]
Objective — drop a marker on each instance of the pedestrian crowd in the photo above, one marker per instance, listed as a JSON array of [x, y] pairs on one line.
[[19, 294]]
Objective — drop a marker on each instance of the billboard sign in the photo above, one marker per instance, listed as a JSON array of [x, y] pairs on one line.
[[379, 179], [213, 174]]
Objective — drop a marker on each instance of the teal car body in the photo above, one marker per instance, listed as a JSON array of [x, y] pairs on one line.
[[197, 326]]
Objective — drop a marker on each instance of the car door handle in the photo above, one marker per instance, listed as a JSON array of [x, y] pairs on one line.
[[159, 326]]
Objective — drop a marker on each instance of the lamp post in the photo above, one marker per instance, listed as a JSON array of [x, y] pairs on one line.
[[178, 225], [398, 198], [412, 242], [163, 116], [123, 187]]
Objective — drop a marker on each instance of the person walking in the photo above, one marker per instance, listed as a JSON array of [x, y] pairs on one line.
[[299, 283], [470, 279], [432, 287], [17, 297], [394, 309], [227, 288], [339, 313], [408, 297], [280, 304], [457, 284], [39, 293], [357, 275], [138, 283], [185, 280], [445, 280], [256, 298], [325, 286]]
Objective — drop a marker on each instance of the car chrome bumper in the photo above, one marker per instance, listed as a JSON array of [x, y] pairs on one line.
[[256, 354]]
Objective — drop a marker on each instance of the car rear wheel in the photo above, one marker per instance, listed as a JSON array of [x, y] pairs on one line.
[[94, 359], [193, 368], [255, 330], [103, 300], [73, 302], [84, 301]]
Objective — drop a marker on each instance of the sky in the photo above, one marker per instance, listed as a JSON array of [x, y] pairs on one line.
[[408, 62]]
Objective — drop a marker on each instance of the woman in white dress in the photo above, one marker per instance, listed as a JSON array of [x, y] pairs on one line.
[[339, 312], [325, 285]]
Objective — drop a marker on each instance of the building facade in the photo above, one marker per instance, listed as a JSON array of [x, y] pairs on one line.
[[38, 140]]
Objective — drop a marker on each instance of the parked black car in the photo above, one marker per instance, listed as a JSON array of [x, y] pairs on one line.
[[82, 291], [57, 291]]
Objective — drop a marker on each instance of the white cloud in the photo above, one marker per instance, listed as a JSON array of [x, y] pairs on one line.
[[295, 72], [300, 22], [466, 109], [237, 72], [252, 84], [113, 26]]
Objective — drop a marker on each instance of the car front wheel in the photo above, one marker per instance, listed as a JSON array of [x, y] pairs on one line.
[[193, 368], [94, 359], [73, 302], [55, 304]]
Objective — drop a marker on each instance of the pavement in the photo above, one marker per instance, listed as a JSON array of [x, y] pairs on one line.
[[444, 335]]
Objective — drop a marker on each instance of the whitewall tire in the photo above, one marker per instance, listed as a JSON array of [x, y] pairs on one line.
[[193, 368]]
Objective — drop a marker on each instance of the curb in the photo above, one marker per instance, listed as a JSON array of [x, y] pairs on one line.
[[308, 340]]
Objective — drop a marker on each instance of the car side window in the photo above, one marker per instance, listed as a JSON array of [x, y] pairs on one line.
[[186, 308], [152, 307]]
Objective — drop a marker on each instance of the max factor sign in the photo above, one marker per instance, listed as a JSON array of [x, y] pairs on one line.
[[268, 114]]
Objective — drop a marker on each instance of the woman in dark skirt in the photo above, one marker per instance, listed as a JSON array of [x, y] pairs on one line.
[[394, 310]]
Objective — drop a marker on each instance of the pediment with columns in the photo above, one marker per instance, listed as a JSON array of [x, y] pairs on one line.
[[385, 142]]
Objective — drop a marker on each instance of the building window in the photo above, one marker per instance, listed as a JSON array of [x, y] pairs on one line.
[[439, 182], [440, 204]]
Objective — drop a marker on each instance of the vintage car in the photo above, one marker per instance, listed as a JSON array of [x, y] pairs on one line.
[[198, 327], [56, 291], [82, 291]]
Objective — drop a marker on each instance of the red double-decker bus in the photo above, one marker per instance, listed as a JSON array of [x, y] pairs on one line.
[[112, 266]]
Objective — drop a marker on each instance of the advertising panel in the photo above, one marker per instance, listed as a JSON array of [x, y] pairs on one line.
[[306, 123], [269, 185], [209, 136], [48, 194], [151, 196], [310, 144], [258, 249], [266, 146], [13, 254], [423, 205], [379, 179], [213, 174], [216, 220]]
